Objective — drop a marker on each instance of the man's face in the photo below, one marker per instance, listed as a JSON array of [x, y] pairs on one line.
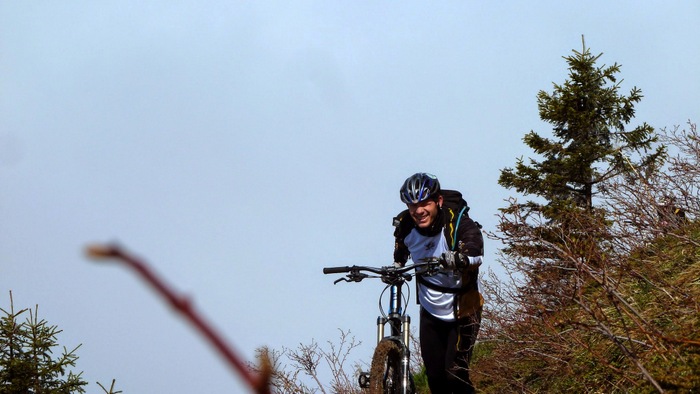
[[425, 212]]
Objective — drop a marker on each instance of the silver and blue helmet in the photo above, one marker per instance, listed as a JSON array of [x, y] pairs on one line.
[[420, 187]]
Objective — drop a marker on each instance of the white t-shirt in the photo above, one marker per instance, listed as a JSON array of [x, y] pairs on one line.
[[438, 304]]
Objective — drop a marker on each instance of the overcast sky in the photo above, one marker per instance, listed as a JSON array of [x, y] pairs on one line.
[[239, 147]]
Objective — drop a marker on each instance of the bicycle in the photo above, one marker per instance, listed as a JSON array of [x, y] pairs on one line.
[[390, 371]]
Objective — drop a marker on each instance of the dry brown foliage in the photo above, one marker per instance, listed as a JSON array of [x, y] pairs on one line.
[[605, 300], [311, 368]]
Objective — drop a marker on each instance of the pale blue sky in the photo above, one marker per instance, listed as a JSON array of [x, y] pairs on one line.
[[240, 147]]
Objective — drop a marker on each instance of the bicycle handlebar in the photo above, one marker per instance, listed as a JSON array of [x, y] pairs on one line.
[[355, 274], [336, 270]]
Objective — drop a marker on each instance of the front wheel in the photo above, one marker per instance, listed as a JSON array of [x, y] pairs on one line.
[[385, 374]]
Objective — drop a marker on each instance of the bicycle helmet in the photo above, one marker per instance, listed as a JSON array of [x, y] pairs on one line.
[[420, 187]]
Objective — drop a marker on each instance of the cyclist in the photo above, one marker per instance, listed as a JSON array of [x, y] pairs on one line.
[[450, 300]]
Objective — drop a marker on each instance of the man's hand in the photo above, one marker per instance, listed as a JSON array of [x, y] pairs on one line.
[[451, 260], [455, 260]]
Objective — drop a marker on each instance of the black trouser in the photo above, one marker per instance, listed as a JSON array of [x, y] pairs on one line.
[[447, 348]]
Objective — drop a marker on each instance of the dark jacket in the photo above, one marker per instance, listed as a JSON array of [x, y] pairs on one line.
[[469, 242]]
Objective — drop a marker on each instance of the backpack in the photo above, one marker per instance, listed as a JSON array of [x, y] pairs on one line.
[[455, 207]]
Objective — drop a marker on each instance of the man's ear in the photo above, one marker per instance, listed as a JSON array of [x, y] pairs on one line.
[[439, 201]]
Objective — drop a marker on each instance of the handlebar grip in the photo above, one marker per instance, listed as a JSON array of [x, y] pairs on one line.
[[336, 270]]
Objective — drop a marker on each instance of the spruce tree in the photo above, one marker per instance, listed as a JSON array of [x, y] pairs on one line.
[[566, 251], [27, 362], [591, 144], [560, 227]]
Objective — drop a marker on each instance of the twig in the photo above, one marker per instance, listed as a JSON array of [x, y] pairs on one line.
[[260, 383]]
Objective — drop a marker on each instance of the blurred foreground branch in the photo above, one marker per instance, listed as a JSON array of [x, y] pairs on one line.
[[260, 382]]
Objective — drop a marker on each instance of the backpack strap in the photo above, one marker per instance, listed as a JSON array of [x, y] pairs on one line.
[[452, 225], [454, 235]]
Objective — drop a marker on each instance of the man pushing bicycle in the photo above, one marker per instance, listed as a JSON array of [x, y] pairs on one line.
[[436, 225]]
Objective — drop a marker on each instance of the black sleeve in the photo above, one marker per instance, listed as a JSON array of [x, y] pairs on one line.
[[401, 253], [470, 240], [403, 224]]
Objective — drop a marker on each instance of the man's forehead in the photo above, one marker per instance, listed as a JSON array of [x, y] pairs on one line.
[[424, 203]]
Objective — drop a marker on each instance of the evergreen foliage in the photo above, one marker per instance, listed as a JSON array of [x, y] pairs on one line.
[[591, 147], [589, 116], [27, 363]]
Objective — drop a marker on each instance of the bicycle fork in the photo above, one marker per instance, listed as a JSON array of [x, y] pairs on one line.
[[402, 331]]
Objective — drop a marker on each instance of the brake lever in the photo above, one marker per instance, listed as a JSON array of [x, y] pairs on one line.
[[352, 277], [356, 277]]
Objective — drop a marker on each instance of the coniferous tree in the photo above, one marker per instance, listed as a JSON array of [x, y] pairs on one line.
[[27, 363], [561, 245], [592, 144]]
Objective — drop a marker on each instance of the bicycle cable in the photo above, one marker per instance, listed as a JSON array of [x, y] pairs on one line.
[[405, 297]]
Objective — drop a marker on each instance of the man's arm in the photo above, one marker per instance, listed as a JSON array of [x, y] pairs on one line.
[[403, 225], [401, 253], [470, 241]]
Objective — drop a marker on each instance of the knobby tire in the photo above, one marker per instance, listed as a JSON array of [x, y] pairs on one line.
[[385, 372]]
